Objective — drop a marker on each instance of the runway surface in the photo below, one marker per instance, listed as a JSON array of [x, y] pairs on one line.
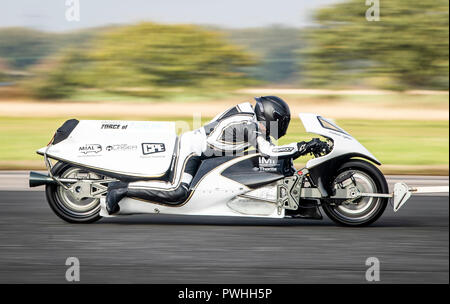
[[411, 245]]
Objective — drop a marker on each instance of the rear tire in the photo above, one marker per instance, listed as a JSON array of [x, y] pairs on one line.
[[363, 211], [66, 206]]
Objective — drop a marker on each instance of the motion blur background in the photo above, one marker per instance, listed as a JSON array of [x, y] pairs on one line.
[[386, 82]]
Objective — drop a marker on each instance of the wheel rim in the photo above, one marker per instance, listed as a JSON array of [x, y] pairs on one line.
[[360, 209], [72, 205]]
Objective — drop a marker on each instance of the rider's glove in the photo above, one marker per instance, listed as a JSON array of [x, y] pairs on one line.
[[315, 146]]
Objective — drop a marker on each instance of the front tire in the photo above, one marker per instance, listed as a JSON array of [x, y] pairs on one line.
[[64, 204], [362, 211]]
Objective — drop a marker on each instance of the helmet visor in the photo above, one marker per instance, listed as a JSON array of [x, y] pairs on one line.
[[282, 122]]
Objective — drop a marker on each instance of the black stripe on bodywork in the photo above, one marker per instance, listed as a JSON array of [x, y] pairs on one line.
[[249, 173], [64, 131]]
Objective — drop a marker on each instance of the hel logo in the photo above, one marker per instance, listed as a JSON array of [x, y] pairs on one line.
[[90, 148], [152, 148]]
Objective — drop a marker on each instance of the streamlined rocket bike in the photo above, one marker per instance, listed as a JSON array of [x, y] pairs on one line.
[[344, 181]]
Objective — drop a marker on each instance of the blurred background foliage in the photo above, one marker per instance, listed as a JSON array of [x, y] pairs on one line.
[[277, 47], [23, 47], [146, 59], [407, 49]]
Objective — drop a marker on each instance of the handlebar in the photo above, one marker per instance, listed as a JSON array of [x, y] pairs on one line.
[[321, 148]]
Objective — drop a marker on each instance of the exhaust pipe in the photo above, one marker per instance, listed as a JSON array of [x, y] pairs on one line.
[[38, 179]]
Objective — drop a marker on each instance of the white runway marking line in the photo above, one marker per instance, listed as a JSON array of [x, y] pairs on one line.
[[18, 181]]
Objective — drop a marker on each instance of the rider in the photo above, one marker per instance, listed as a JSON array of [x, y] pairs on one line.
[[231, 132]]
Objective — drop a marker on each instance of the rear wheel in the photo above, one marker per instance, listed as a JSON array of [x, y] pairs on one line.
[[360, 211], [65, 204]]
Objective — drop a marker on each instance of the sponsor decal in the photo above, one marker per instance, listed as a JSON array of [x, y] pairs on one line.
[[150, 148], [283, 149], [90, 148], [113, 126], [121, 147], [268, 164]]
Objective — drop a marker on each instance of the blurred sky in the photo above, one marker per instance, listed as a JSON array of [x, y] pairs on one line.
[[49, 15]]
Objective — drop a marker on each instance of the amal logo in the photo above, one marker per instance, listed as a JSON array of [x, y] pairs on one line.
[[152, 148], [90, 148]]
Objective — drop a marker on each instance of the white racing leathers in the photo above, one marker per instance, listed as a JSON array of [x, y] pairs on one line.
[[236, 130], [230, 133]]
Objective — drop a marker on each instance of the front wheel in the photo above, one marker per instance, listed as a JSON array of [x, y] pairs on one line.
[[67, 206], [364, 210]]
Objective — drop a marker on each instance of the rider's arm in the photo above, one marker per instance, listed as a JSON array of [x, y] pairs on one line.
[[264, 146], [268, 149]]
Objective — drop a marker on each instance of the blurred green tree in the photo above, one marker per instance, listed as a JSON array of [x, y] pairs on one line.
[[147, 59], [3, 69], [22, 47], [407, 48], [277, 47]]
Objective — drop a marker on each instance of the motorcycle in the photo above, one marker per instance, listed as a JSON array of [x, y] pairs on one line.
[[343, 180]]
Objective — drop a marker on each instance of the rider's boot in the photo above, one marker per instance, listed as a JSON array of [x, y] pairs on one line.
[[116, 192], [172, 197]]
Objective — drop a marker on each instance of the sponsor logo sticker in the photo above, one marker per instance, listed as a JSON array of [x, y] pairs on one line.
[[268, 164], [90, 148], [113, 126], [284, 149], [151, 148], [121, 147]]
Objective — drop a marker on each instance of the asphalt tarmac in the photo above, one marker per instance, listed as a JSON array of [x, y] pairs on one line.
[[412, 246]]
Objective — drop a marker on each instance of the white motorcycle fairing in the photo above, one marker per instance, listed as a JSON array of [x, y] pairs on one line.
[[214, 194], [343, 143], [130, 148]]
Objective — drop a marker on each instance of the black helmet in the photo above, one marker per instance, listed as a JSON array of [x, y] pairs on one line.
[[271, 109]]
